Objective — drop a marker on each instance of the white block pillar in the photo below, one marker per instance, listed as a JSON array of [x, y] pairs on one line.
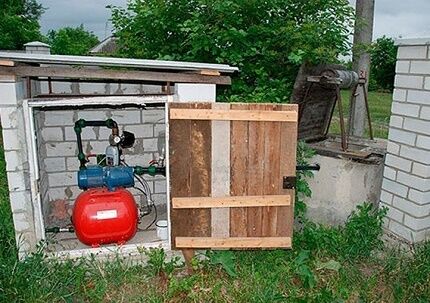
[[193, 92], [406, 183]]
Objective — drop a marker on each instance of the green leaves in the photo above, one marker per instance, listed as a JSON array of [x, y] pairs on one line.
[[71, 41], [226, 259]]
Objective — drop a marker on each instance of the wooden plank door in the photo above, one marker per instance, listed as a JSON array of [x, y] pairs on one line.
[[228, 163]]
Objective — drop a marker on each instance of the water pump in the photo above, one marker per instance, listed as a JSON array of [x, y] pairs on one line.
[[106, 212]]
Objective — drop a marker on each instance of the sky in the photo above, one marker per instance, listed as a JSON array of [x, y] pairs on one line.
[[393, 18]]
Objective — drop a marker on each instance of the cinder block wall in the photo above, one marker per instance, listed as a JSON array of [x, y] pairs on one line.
[[406, 184], [58, 149]]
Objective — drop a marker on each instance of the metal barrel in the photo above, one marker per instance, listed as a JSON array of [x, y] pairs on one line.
[[349, 78]]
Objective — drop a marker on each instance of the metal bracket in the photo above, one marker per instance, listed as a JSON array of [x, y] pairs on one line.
[[289, 182]]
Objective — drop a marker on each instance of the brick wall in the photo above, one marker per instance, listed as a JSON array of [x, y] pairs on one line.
[[406, 184], [57, 152]]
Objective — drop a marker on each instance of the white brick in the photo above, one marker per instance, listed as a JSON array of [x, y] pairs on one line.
[[401, 230], [159, 130], [7, 93], [153, 116], [408, 81], [11, 139], [57, 193], [20, 201], [9, 117], [52, 134], [160, 186], [386, 197], [398, 162], [421, 170], [425, 112], [72, 164], [422, 184], [96, 147], [62, 179], [411, 208], [88, 133], [141, 130], [402, 67], [412, 52], [59, 118], [423, 141], [419, 197], [61, 149], [140, 159], [150, 145], [399, 95], [427, 83], [16, 181], [21, 222], [393, 148], [395, 214], [419, 97], [417, 125], [395, 188], [390, 173], [92, 115], [396, 121], [417, 223], [55, 164], [415, 154], [14, 160], [159, 199], [405, 109], [126, 116], [420, 67], [401, 136]]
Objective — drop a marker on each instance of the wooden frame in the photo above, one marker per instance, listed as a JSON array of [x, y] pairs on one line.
[[233, 115], [233, 242], [232, 201]]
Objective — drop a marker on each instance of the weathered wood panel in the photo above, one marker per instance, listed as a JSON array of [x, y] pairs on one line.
[[235, 242], [232, 201]]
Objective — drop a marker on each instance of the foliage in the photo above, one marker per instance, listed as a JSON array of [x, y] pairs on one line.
[[157, 262], [19, 23], [303, 190], [224, 258], [267, 40], [71, 41], [383, 67]]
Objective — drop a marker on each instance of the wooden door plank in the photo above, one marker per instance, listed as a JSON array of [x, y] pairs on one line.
[[238, 172], [232, 201], [255, 172], [200, 172], [234, 242], [233, 115], [287, 166], [271, 172]]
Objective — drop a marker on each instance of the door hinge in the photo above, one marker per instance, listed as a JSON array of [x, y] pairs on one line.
[[289, 182]]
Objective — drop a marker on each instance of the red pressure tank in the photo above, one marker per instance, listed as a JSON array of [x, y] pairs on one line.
[[101, 216]]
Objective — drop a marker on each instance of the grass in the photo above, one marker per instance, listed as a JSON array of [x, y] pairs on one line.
[[344, 264], [380, 111]]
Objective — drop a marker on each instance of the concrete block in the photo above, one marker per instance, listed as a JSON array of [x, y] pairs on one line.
[[12, 139], [72, 164], [399, 95], [408, 81], [390, 173], [59, 118], [96, 147], [419, 97], [401, 136], [425, 112], [399, 163], [52, 134], [393, 148], [88, 133], [159, 199], [411, 208], [415, 154], [394, 214], [417, 223], [160, 186], [423, 142], [421, 170], [58, 193], [402, 67], [141, 130], [55, 164], [396, 121], [420, 67], [61, 149], [152, 116], [9, 117], [405, 109], [8, 93], [93, 114], [417, 125], [159, 130], [412, 52], [14, 160], [386, 197], [62, 179], [427, 83], [20, 201], [16, 181], [139, 159], [21, 222], [419, 197], [401, 230], [422, 184], [126, 116], [395, 188], [150, 145]]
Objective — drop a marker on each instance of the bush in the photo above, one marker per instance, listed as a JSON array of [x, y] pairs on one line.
[[383, 66]]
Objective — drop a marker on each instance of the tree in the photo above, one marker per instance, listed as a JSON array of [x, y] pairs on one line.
[[267, 40], [383, 56], [19, 23], [71, 41]]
